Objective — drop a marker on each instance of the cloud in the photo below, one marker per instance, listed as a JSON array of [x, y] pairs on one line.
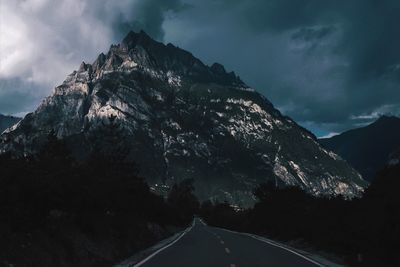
[[308, 34], [320, 62], [329, 135], [378, 112], [41, 41], [22, 98], [317, 61]]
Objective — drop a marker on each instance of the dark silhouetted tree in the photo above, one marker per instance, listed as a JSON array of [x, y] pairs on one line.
[[183, 201]]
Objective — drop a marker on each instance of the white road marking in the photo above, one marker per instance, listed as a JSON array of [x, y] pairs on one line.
[[262, 239], [201, 220], [187, 230]]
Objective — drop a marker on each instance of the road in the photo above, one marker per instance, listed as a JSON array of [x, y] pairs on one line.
[[206, 246]]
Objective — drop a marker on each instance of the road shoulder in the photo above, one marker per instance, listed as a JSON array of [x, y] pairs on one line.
[[141, 257], [318, 260]]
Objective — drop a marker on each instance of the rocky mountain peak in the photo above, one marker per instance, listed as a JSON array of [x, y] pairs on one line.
[[218, 68], [133, 39], [84, 67], [140, 51], [181, 119]]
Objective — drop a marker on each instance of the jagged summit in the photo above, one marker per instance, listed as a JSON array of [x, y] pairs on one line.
[[132, 39], [138, 50], [181, 119]]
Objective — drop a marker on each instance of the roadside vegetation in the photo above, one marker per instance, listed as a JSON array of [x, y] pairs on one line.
[[55, 211], [364, 232]]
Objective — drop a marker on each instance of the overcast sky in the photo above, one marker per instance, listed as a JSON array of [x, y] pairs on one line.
[[330, 65]]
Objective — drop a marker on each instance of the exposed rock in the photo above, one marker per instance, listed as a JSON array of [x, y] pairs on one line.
[[182, 119]]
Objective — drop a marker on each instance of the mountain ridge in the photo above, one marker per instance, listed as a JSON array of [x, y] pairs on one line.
[[367, 148], [181, 119]]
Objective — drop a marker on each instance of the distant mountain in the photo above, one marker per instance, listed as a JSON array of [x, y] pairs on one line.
[[181, 119], [368, 148], [7, 121]]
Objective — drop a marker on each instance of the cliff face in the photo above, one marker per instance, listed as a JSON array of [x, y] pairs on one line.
[[178, 119]]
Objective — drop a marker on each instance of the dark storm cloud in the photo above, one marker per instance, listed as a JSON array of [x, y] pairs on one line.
[[324, 63], [280, 15], [23, 97], [331, 65], [309, 34], [146, 15], [41, 41]]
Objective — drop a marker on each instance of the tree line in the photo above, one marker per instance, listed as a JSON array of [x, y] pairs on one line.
[[363, 231], [55, 211]]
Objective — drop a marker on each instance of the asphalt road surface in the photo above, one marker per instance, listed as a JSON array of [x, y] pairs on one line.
[[206, 246]]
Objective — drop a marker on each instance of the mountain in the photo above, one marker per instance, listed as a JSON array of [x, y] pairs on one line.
[[7, 121], [178, 118], [368, 148]]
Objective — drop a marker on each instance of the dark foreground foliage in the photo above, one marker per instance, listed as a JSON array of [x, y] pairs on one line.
[[56, 212], [365, 232]]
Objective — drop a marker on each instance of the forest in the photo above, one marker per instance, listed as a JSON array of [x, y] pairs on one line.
[[362, 231], [55, 211]]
